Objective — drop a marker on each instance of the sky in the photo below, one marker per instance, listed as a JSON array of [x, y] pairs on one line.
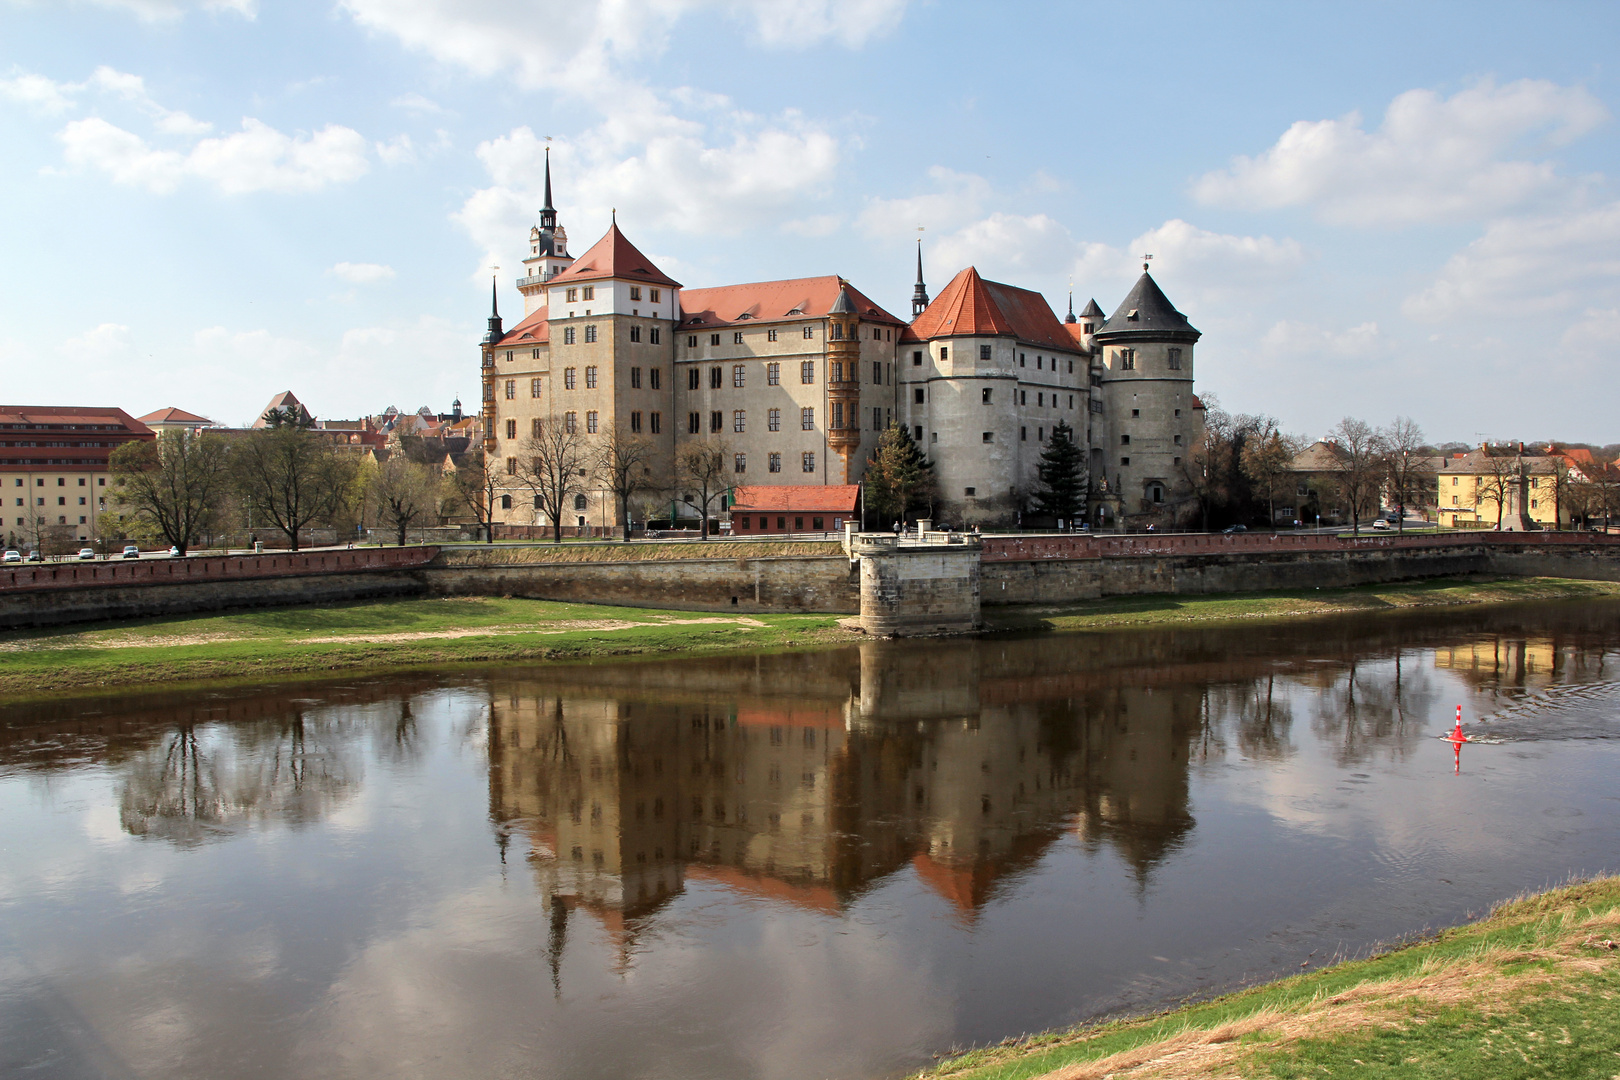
[[1370, 210]]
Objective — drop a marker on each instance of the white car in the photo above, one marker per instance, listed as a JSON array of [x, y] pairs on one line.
[[1380, 523], [131, 551], [87, 553], [11, 556]]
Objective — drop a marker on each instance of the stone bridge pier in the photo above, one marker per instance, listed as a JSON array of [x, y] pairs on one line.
[[917, 584]]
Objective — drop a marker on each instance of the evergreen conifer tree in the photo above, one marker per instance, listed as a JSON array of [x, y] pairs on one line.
[[1062, 491], [899, 477]]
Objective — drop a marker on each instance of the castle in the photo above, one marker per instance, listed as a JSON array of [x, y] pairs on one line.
[[796, 380]]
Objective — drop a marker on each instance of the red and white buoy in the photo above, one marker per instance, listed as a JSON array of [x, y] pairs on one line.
[[1456, 739]]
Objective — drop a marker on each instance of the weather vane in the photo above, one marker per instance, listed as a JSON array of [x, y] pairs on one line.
[[1145, 260]]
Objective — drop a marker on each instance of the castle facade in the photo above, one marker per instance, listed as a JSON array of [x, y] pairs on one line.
[[796, 380]]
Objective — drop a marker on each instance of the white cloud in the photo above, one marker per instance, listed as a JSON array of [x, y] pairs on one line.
[[960, 198], [39, 93], [1290, 340], [362, 273], [572, 47], [422, 106], [257, 158], [396, 151], [106, 341], [1432, 159], [157, 10], [1218, 260], [1528, 265]]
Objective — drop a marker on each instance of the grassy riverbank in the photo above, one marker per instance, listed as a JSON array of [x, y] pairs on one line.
[[1131, 611], [1530, 990], [468, 630]]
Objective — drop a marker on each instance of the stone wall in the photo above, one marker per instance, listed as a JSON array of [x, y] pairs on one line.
[[916, 589], [792, 583]]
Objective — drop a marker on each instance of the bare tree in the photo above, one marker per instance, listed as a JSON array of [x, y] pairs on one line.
[[173, 482], [554, 466], [1363, 465], [702, 468], [1498, 480], [624, 465], [1266, 462], [477, 487], [1407, 463], [405, 493], [294, 476]]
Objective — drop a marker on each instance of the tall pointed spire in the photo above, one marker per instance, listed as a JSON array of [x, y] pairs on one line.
[[919, 295], [1070, 317], [548, 213], [494, 333]]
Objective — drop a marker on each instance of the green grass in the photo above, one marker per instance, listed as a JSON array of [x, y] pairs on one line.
[[1127, 611], [615, 551], [376, 634], [1530, 990]]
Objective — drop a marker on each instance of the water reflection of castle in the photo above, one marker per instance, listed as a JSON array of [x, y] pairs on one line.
[[810, 778]]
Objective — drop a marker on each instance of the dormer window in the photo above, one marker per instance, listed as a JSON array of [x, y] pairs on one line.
[[1131, 315]]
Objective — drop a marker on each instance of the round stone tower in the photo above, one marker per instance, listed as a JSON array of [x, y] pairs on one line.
[[1151, 420]]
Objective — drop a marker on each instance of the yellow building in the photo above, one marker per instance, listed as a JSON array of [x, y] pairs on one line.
[[1496, 486]]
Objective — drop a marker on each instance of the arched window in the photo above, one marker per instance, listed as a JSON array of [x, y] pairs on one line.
[[506, 502], [579, 502]]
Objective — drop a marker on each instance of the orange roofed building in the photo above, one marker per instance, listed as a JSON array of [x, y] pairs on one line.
[[758, 510], [795, 381], [54, 465]]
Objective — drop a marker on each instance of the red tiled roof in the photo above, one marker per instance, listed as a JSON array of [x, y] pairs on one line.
[[615, 257], [796, 499], [534, 329], [774, 301], [972, 306], [172, 415], [65, 437], [1076, 330]]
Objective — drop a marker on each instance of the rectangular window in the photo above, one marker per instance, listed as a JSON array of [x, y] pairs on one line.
[[573, 295], [714, 339], [916, 433], [511, 467], [737, 420], [916, 358], [809, 461], [739, 463], [694, 378], [635, 333], [969, 492], [773, 372], [591, 422], [877, 419], [807, 371], [988, 436], [1124, 461], [1023, 397], [809, 332], [511, 429], [1124, 440], [1127, 359], [807, 419], [654, 378], [1023, 434], [1175, 359], [590, 292], [837, 414], [1136, 412], [635, 422], [655, 423], [736, 337], [985, 395], [635, 292], [1176, 439], [590, 333], [798, 526], [737, 372], [917, 396], [694, 423], [984, 354], [715, 378], [835, 371], [534, 428], [568, 335], [717, 420], [691, 341], [653, 336], [635, 378], [774, 463], [877, 372], [835, 332], [534, 387], [773, 420], [770, 335], [511, 389], [571, 422], [653, 295], [590, 377], [944, 352]]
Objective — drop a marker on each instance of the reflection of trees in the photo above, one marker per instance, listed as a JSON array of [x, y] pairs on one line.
[[1257, 716], [204, 782], [1373, 707]]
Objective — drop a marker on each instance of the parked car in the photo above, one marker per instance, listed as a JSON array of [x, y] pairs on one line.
[[131, 551], [1380, 523], [87, 553], [34, 556], [1235, 529], [11, 556], [174, 551]]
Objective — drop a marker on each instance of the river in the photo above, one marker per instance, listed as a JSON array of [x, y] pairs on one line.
[[793, 866]]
